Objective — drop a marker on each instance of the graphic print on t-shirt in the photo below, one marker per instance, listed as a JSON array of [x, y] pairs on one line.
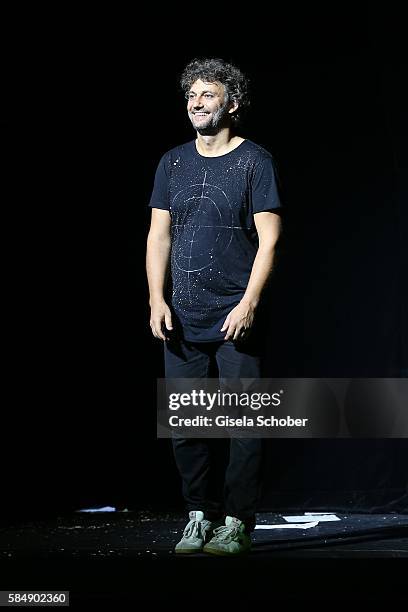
[[207, 228]]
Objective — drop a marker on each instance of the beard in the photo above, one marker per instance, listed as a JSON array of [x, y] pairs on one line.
[[213, 124]]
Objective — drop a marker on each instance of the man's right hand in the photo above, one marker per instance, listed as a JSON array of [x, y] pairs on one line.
[[160, 318]]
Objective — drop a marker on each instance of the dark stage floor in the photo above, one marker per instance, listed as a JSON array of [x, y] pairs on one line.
[[128, 556]]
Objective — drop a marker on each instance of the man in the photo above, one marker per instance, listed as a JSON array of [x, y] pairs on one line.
[[214, 215]]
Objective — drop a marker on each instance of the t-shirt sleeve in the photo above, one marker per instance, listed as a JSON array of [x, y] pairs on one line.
[[160, 197], [265, 195]]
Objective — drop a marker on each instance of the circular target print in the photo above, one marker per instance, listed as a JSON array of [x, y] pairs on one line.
[[196, 210]]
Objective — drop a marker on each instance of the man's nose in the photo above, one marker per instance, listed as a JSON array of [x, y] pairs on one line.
[[197, 102]]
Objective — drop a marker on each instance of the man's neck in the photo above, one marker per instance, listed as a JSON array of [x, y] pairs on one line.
[[218, 144]]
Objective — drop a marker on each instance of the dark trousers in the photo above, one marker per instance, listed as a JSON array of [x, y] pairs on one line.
[[241, 486]]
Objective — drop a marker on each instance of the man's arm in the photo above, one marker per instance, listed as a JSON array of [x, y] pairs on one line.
[[157, 264], [241, 318]]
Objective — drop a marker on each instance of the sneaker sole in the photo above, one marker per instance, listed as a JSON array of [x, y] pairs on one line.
[[224, 553]]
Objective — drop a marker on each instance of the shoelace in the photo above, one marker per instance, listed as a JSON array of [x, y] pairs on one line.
[[192, 529], [225, 532]]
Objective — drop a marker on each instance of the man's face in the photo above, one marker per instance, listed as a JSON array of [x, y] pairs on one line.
[[207, 107]]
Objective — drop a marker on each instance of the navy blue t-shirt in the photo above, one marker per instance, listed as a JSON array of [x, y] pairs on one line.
[[212, 201]]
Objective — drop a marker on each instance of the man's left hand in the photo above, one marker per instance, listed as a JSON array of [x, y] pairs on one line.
[[239, 321]]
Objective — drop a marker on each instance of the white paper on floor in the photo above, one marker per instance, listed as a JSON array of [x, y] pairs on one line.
[[104, 509], [311, 516], [289, 526]]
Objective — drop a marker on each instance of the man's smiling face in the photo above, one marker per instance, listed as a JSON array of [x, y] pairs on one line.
[[207, 106]]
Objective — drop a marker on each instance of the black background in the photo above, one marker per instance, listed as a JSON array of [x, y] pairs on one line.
[[89, 109]]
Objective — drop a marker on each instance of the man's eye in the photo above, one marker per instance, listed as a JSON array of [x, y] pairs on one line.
[[209, 96]]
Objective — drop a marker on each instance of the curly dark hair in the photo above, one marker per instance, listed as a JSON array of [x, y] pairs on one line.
[[215, 69]]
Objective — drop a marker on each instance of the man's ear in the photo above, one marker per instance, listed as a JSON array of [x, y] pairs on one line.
[[234, 106]]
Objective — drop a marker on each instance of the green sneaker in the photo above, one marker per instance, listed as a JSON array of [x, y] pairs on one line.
[[229, 539], [197, 531]]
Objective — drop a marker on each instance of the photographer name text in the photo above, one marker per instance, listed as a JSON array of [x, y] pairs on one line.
[[225, 421]]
